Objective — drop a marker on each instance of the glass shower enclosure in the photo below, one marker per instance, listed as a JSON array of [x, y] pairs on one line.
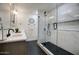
[[47, 28], [58, 29]]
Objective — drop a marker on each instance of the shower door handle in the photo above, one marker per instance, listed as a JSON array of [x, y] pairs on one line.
[[55, 26]]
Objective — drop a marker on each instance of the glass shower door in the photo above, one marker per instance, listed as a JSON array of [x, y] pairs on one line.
[[4, 21], [52, 29], [47, 29], [47, 26], [41, 27]]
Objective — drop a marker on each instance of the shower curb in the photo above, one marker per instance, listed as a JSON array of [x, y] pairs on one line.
[[44, 49]]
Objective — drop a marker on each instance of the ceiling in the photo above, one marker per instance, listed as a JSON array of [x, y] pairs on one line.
[[69, 11], [29, 6]]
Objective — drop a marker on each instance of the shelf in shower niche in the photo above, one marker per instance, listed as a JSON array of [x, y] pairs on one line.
[[69, 30], [55, 49], [68, 21]]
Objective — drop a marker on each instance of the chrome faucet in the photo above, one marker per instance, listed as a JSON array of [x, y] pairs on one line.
[[9, 32]]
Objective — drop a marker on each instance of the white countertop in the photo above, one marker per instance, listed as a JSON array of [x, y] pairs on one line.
[[15, 37]]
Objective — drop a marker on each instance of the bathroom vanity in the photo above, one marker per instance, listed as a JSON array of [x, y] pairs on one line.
[[14, 44], [15, 37]]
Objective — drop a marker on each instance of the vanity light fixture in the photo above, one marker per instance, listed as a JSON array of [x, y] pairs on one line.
[[13, 9]]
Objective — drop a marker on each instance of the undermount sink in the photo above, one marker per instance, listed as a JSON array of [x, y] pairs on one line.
[[16, 34], [14, 37]]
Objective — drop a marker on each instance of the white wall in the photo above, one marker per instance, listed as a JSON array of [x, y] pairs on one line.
[[5, 23], [68, 32], [22, 19], [31, 30]]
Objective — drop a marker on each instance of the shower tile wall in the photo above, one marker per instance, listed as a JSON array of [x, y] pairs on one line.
[[68, 31], [31, 30]]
